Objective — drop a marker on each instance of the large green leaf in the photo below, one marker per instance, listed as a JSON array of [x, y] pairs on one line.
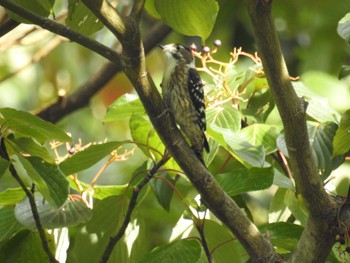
[[27, 146], [240, 149], [283, 235], [246, 180], [26, 124], [318, 107], [341, 142], [26, 246], [226, 117], [261, 134], [91, 240], [191, 18], [71, 213], [143, 133], [124, 107], [82, 19], [278, 210], [48, 178], [180, 251], [39, 7], [100, 191], [343, 28], [4, 164], [297, 206], [321, 141], [11, 196], [9, 226], [85, 159], [162, 190]]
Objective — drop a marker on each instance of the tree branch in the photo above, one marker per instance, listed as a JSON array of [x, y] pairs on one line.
[[8, 26], [80, 98], [33, 207], [318, 236], [259, 248], [62, 30]]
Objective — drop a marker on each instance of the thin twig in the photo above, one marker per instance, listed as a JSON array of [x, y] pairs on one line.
[[33, 207], [6, 27], [62, 30], [199, 224], [136, 190]]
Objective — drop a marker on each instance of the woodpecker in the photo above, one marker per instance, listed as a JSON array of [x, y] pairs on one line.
[[183, 95]]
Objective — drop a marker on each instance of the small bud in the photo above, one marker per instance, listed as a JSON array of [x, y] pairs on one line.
[[193, 47], [206, 49], [217, 43], [71, 150], [202, 83]]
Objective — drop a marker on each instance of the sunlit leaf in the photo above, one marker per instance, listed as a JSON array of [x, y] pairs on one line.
[[343, 28], [71, 213], [318, 107], [341, 142], [297, 206], [26, 124], [278, 210], [11, 196], [85, 159], [124, 107], [261, 134], [243, 151], [184, 251], [144, 134], [245, 180], [82, 19], [225, 117], [191, 18]]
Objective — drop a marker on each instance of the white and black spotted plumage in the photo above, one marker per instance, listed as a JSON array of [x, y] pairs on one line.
[[183, 94]]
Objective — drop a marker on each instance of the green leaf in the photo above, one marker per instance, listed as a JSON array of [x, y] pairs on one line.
[[4, 164], [240, 149], [261, 134], [297, 206], [85, 159], [54, 179], [151, 9], [27, 146], [283, 235], [321, 141], [318, 107], [39, 7], [142, 132], [26, 124], [91, 240], [124, 107], [184, 251], [162, 190], [279, 210], [245, 180], [101, 191], [343, 28], [341, 142], [282, 181], [191, 18], [344, 71], [82, 19], [48, 178], [24, 247], [71, 213], [11, 196], [9, 226], [225, 117]]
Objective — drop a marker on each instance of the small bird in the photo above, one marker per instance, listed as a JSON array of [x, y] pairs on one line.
[[183, 95]]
